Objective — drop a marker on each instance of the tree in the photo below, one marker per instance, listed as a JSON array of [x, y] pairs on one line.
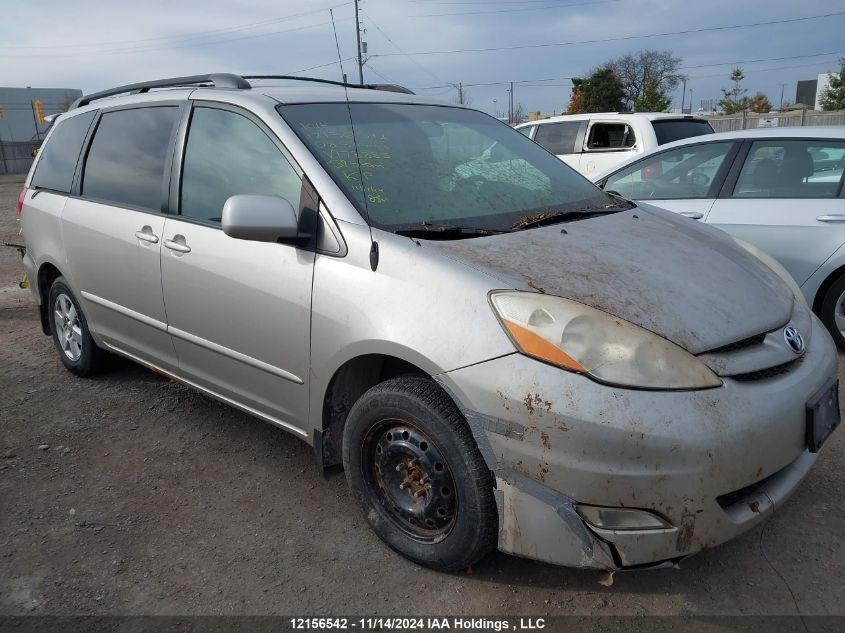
[[734, 99], [462, 95], [651, 71], [833, 97], [760, 103], [653, 100], [600, 92], [518, 113], [576, 103]]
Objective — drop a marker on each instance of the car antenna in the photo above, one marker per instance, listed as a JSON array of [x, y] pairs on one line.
[[373, 243]]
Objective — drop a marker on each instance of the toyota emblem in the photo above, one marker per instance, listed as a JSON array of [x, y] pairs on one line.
[[794, 339]]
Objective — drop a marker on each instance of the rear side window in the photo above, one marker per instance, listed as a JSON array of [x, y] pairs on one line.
[[667, 131], [125, 164], [226, 155], [558, 138], [60, 154], [611, 136], [792, 169]]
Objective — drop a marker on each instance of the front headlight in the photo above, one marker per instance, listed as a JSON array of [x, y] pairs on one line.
[[588, 341]]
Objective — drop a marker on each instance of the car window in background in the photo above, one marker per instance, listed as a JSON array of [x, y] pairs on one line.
[[125, 163], [59, 156], [526, 130], [684, 172], [792, 169], [558, 138], [410, 166], [668, 130], [227, 154], [605, 136]]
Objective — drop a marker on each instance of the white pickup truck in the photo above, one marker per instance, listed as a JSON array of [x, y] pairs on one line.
[[592, 143]]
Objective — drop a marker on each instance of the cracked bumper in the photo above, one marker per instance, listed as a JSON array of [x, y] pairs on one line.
[[713, 463]]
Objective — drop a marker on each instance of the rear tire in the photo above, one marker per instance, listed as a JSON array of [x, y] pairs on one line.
[[832, 312], [77, 350], [414, 467]]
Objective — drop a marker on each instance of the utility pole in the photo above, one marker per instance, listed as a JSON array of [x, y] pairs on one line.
[[683, 95], [510, 106], [358, 39], [782, 86]]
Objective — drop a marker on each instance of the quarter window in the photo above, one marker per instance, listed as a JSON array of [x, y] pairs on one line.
[[226, 155], [610, 136], [61, 153], [792, 169], [685, 172], [558, 138], [126, 161]]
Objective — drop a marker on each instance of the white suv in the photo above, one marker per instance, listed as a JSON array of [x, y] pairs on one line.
[[592, 143]]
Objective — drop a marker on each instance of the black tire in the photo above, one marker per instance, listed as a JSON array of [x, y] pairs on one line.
[[828, 310], [411, 422], [91, 359]]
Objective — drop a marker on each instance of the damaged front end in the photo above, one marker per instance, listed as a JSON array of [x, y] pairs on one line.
[[595, 476]]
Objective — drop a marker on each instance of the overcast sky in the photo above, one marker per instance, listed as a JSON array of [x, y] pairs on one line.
[[94, 45]]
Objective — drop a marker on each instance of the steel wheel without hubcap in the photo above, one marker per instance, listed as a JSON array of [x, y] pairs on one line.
[[408, 474], [68, 327]]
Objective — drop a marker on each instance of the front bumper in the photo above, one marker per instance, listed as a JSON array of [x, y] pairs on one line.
[[713, 463]]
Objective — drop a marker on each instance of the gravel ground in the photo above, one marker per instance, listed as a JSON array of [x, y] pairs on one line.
[[131, 494]]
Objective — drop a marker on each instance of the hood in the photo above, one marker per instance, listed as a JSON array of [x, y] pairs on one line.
[[690, 283]]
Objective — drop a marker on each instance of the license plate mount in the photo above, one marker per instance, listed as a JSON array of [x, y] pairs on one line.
[[822, 415]]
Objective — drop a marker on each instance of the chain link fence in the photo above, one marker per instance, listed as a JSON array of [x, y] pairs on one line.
[[792, 118], [16, 156]]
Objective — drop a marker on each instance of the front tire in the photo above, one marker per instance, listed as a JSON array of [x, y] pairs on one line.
[[832, 312], [77, 350], [413, 465]]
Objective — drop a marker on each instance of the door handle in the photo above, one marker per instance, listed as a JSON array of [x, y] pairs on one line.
[[832, 219], [695, 215], [177, 245], [146, 235]]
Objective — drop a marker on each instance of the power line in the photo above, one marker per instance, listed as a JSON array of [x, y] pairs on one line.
[[519, 10], [183, 37], [736, 62], [617, 39], [398, 48]]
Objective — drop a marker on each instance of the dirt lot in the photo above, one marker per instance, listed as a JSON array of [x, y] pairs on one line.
[[153, 499]]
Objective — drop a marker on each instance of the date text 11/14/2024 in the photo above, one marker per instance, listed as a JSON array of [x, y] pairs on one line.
[[417, 624]]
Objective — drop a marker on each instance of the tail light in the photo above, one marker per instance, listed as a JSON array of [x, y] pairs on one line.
[[21, 198]]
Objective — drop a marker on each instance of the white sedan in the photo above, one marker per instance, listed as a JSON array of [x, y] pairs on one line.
[[781, 189]]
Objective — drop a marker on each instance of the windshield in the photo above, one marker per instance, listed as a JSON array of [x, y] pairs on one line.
[[669, 130], [421, 166]]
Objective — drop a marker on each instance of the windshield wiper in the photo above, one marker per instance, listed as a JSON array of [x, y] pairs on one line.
[[447, 231], [542, 219]]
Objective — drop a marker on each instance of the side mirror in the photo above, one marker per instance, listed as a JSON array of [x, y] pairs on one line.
[[260, 218]]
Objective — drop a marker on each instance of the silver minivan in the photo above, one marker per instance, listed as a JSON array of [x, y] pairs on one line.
[[498, 353]]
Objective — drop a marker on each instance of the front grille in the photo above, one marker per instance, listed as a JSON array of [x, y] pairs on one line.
[[746, 342], [770, 372]]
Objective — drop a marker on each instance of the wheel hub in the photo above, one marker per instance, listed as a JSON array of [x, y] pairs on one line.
[[412, 479]]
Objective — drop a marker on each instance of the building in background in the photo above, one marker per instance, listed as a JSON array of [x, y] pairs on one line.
[[805, 93], [19, 112], [809, 91], [822, 83]]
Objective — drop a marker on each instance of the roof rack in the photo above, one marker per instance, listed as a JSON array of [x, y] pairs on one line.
[[219, 80], [387, 87]]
